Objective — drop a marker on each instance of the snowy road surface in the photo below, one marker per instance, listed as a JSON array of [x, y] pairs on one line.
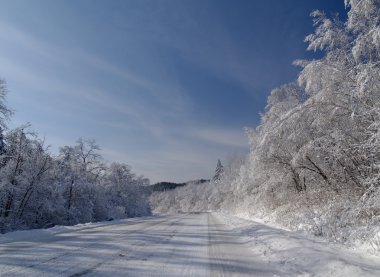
[[178, 245]]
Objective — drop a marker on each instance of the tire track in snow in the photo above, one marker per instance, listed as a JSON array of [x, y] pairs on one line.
[[81, 249]]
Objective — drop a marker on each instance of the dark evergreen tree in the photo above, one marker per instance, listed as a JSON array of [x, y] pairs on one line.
[[218, 171]]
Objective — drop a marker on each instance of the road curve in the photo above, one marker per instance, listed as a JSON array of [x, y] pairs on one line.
[[175, 245]]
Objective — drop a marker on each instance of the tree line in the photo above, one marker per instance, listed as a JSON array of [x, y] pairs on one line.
[[38, 189]]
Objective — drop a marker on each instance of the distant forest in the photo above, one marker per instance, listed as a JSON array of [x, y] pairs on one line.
[[163, 186]]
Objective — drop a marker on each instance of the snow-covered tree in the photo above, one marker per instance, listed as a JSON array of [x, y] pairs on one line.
[[127, 193], [24, 172], [218, 171], [5, 112]]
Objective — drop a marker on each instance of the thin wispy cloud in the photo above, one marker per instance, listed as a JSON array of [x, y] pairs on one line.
[[14, 37], [233, 138]]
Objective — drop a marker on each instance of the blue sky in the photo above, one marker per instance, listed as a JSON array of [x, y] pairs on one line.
[[166, 86]]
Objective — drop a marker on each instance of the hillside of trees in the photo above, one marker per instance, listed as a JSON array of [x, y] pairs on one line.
[[314, 160], [164, 186]]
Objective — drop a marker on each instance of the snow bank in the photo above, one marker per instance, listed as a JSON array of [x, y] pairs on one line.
[[297, 254]]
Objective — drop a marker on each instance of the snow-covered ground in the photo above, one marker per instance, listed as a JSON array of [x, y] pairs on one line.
[[296, 254], [204, 244]]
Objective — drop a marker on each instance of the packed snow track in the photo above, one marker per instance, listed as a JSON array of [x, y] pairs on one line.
[[180, 245], [177, 245]]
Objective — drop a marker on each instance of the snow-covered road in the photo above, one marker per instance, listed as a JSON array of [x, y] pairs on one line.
[[178, 245]]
